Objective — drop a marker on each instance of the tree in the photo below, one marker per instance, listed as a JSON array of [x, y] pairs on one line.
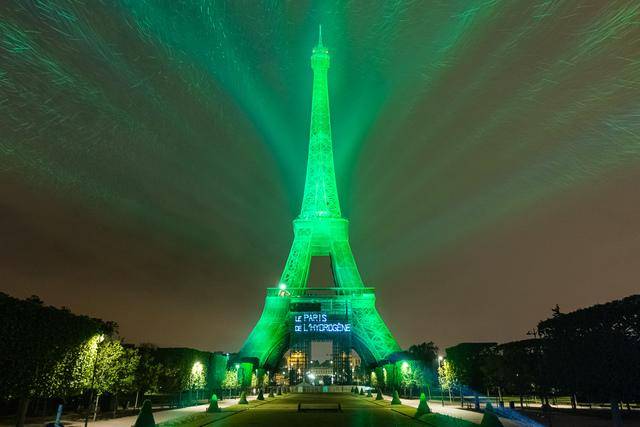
[[520, 367], [406, 376], [493, 367], [411, 374], [115, 367], [197, 379], [263, 379], [217, 370], [184, 370], [594, 352], [373, 379], [447, 376], [230, 380], [467, 360], [170, 379], [126, 369], [107, 365], [42, 348], [72, 374], [147, 373], [380, 375], [427, 353], [414, 373]]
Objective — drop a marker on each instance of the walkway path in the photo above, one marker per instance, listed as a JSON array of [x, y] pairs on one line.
[[159, 416], [356, 410], [474, 417], [163, 416]]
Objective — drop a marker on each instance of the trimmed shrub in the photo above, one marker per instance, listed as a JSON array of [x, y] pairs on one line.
[[490, 419], [213, 404], [145, 417], [423, 406]]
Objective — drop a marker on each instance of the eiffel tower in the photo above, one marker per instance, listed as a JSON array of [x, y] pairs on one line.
[[295, 314]]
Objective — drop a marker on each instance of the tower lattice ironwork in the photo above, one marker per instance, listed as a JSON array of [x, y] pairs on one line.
[[320, 230]]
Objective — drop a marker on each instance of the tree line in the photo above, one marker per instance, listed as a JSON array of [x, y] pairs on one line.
[[50, 355], [591, 355]]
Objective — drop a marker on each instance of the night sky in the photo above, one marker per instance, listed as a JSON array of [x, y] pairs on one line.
[[152, 158]]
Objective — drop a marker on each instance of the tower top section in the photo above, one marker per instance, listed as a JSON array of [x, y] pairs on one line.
[[320, 56], [320, 198]]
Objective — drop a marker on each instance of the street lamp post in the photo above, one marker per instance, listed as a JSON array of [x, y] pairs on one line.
[[93, 378]]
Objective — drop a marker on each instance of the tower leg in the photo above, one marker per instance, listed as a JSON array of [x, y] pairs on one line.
[[371, 332], [270, 337], [344, 265], [296, 270]]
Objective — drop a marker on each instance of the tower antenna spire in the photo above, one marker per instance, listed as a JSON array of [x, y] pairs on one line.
[[320, 35]]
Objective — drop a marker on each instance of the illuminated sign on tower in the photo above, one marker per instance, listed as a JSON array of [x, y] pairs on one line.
[[318, 322]]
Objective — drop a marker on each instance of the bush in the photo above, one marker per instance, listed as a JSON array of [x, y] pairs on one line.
[[213, 404], [396, 399], [145, 417], [423, 407], [490, 419]]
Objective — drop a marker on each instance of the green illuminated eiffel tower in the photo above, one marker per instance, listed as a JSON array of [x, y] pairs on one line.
[[320, 230]]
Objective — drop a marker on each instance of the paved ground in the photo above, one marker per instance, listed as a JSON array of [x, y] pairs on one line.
[[530, 417], [162, 416], [586, 418], [356, 411], [474, 417]]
